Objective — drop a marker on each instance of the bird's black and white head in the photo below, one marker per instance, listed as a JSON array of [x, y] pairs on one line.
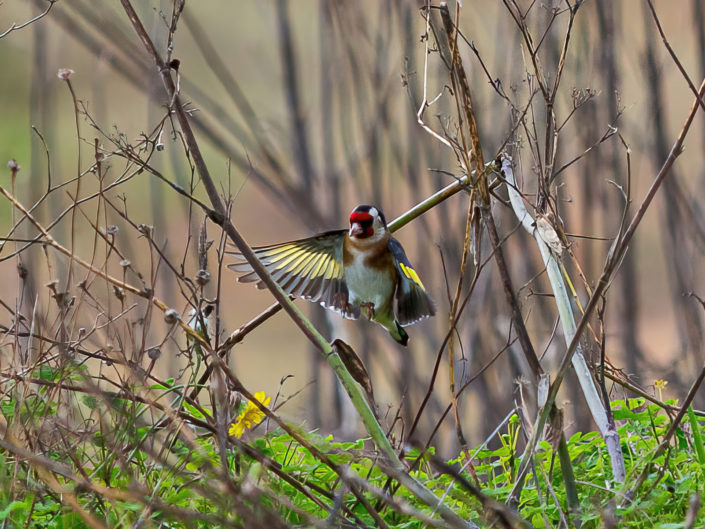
[[367, 222]]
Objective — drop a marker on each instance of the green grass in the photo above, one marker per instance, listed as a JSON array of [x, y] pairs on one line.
[[126, 467]]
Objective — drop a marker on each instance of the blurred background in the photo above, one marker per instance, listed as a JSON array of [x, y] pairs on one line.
[[304, 110]]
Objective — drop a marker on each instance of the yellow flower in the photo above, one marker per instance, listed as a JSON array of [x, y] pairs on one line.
[[660, 386], [250, 417]]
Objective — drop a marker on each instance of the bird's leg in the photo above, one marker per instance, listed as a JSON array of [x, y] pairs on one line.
[[370, 306], [340, 301]]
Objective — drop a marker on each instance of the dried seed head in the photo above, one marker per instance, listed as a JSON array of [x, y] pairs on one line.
[[154, 353], [145, 230], [112, 230], [13, 165], [119, 292], [63, 299], [125, 263], [171, 316], [203, 277], [65, 73], [160, 144]]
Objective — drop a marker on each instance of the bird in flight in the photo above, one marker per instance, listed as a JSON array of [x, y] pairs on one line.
[[359, 271]]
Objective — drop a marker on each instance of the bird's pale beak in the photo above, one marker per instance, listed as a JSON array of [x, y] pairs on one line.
[[356, 230]]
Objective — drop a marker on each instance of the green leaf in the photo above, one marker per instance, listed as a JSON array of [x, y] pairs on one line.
[[697, 437], [8, 408], [47, 373], [682, 441], [17, 505], [90, 401]]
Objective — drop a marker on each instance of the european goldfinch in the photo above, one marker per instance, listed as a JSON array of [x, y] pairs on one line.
[[362, 270]]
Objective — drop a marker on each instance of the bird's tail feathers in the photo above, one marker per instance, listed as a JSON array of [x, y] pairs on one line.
[[398, 333]]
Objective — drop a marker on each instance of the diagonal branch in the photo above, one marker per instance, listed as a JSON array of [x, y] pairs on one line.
[[220, 217], [614, 257]]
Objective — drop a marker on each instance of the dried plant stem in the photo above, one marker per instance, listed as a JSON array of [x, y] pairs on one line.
[[398, 472], [446, 39], [613, 259], [520, 328], [46, 468], [14, 26], [235, 338], [220, 217], [143, 293], [452, 321], [560, 294], [458, 77]]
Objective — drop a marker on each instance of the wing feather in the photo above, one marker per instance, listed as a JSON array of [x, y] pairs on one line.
[[412, 302], [308, 268], [306, 275]]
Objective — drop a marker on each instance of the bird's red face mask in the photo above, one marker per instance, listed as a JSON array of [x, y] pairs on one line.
[[361, 225]]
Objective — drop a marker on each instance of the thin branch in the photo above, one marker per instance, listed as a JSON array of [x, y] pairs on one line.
[[14, 26], [612, 261]]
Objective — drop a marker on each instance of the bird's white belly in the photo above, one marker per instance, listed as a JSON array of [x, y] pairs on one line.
[[366, 285]]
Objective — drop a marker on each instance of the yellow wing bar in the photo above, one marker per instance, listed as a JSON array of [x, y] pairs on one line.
[[411, 274]]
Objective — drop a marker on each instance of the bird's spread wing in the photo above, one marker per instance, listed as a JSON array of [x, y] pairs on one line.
[[309, 268], [412, 301]]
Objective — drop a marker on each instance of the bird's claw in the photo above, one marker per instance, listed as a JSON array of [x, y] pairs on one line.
[[340, 301]]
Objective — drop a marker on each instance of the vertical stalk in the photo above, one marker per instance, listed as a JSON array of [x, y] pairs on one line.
[[219, 215], [565, 312]]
